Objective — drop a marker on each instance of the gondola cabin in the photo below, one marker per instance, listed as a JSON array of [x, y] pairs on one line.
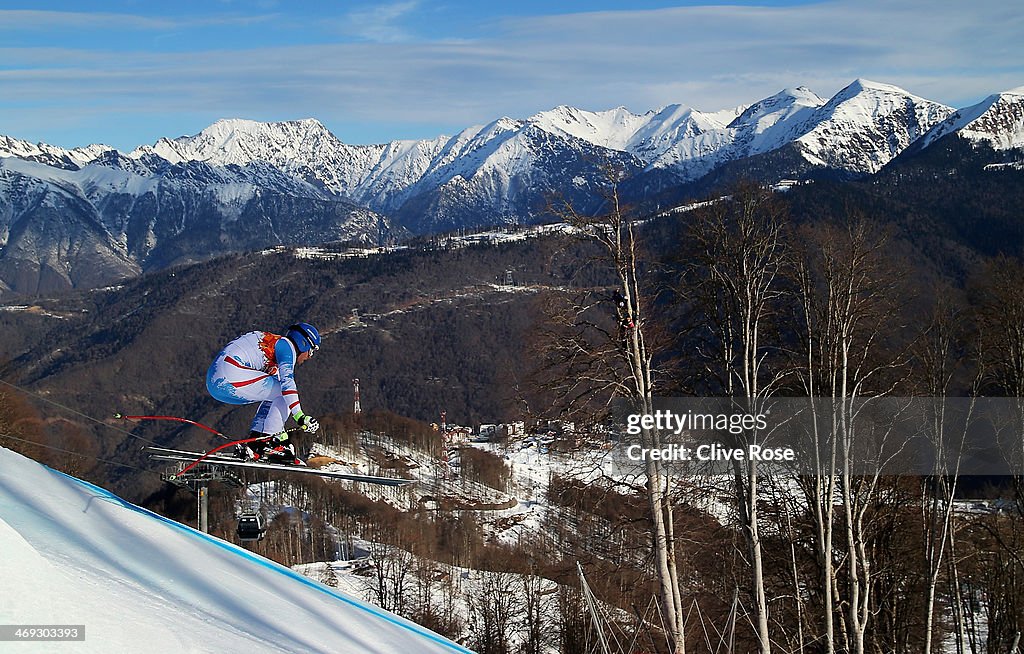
[[251, 527]]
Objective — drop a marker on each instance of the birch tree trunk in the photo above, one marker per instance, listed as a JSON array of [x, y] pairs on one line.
[[844, 296], [741, 268], [939, 362], [619, 364]]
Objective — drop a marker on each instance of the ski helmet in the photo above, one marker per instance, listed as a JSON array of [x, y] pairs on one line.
[[305, 336]]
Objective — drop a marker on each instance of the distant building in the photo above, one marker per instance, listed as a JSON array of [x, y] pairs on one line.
[[486, 433], [500, 431]]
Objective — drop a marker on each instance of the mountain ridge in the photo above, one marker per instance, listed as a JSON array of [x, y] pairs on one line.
[[241, 183]]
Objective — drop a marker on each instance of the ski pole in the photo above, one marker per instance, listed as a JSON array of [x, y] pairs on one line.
[[121, 416]]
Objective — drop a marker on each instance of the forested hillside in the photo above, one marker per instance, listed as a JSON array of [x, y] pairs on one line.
[[828, 289], [433, 327]]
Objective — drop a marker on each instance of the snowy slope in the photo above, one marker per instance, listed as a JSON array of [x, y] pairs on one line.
[[865, 125], [73, 553], [50, 154], [997, 120]]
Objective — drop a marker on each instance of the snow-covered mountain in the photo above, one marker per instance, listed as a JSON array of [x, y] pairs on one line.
[[75, 554], [860, 129], [116, 216], [864, 126], [495, 170], [70, 217], [998, 120], [50, 154]]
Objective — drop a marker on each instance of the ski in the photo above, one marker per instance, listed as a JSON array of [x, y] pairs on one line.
[[165, 454], [152, 449]]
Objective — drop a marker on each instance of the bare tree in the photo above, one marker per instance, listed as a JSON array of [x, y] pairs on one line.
[[999, 321], [536, 618], [1000, 341], [848, 304], [937, 352], [820, 489], [390, 585], [740, 282], [598, 359], [496, 608], [1000, 324]]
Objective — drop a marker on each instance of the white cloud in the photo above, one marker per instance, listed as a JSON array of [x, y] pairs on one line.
[[31, 19], [763, 47], [707, 57], [50, 21], [379, 23]]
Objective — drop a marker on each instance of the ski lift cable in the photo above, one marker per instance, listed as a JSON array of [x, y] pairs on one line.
[[108, 425], [120, 416], [84, 456], [77, 413], [232, 440]]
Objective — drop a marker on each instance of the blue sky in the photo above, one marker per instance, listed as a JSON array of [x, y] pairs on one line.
[[125, 73]]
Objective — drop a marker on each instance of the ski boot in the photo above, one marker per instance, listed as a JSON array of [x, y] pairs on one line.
[[281, 450], [254, 450], [283, 454]]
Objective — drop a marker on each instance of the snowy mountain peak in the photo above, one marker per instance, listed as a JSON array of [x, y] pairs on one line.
[[51, 155], [783, 106], [674, 123], [862, 85], [864, 95], [235, 127], [997, 120], [239, 141], [798, 95], [866, 125], [503, 124], [611, 129]]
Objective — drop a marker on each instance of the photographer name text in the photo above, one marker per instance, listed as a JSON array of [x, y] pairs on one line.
[[710, 452]]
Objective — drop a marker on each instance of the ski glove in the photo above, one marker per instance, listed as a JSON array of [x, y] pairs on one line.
[[308, 423]]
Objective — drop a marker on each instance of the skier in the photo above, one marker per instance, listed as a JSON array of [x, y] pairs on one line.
[[259, 367]]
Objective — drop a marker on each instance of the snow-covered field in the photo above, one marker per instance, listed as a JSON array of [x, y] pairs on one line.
[[74, 554]]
